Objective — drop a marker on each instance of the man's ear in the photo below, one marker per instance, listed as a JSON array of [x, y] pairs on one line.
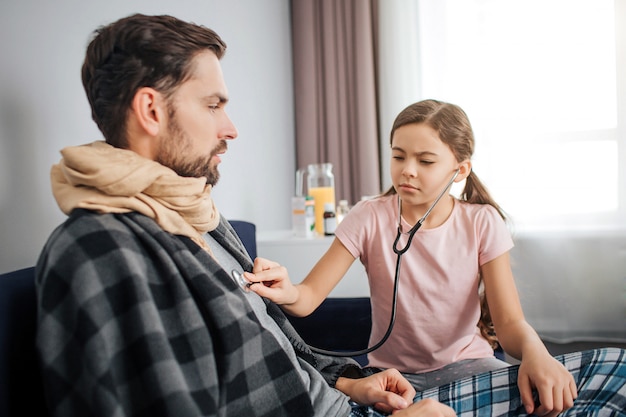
[[149, 109], [465, 168]]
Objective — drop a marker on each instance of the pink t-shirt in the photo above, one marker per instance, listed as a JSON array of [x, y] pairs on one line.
[[438, 301]]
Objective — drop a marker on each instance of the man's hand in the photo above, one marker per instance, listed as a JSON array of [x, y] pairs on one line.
[[390, 392], [387, 390], [426, 408]]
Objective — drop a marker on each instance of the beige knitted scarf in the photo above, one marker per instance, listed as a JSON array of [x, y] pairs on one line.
[[106, 179]]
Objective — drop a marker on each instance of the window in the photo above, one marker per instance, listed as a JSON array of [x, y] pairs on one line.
[[539, 81]]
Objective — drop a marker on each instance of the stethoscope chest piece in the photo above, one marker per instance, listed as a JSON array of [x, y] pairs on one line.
[[243, 283]]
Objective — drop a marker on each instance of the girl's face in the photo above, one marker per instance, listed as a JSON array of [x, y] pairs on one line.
[[421, 164]]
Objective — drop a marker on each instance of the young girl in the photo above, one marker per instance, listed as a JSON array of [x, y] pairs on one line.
[[462, 245]]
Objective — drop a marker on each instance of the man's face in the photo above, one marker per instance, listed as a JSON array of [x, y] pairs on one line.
[[198, 126]]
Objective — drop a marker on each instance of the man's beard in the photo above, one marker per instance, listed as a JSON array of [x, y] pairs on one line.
[[176, 148]]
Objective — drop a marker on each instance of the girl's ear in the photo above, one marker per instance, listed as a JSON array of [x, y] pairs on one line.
[[149, 109], [465, 168]]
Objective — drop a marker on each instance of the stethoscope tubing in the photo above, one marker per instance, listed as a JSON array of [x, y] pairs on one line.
[[396, 280], [419, 223]]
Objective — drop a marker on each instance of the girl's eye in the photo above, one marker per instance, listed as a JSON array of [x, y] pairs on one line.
[[427, 162], [398, 157]]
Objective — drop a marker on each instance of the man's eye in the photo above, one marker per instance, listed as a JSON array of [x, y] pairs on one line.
[[398, 157]]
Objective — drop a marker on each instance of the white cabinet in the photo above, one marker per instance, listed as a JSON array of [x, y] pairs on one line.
[[299, 255]]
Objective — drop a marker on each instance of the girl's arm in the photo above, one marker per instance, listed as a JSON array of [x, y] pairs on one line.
[[302, 299], [538, 369], [512, 330]]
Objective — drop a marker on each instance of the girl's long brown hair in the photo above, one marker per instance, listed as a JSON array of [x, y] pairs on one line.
[[455, 130]]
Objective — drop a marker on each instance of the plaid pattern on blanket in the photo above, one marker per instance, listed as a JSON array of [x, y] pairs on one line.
[[134, 321], [600, 376]]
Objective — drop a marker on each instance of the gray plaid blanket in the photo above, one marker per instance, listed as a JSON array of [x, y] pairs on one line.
[[134, 321]]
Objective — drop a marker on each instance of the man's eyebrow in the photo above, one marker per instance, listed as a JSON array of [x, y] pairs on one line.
[[221, 98]]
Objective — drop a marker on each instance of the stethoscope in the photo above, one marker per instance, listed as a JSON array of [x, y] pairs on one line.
[[245, 284]]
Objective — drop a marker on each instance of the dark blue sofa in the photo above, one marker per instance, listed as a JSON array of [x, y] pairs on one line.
[[21, 389], [338, 324]]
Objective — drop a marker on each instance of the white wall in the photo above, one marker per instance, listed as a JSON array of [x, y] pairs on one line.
[[43, 107]]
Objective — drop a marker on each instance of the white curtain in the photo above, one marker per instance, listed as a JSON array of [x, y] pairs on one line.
[[545, 91]]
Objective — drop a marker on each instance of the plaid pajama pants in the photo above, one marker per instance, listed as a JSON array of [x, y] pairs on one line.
[[600, 376]]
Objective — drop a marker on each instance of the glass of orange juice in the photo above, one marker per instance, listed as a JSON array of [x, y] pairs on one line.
[[321, 195]]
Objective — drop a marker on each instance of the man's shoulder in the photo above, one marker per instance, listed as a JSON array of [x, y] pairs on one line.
[[83, 222], [85, 227], [90, 237], [94, 219]]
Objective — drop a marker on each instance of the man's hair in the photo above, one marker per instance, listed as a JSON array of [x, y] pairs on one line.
[[135, 52]]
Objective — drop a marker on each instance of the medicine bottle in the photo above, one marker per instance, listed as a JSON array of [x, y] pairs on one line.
[[309, 216], [342, 210], [330, 221]]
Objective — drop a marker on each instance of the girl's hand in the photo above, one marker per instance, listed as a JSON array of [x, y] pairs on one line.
[[553, 382], [271, 280]]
